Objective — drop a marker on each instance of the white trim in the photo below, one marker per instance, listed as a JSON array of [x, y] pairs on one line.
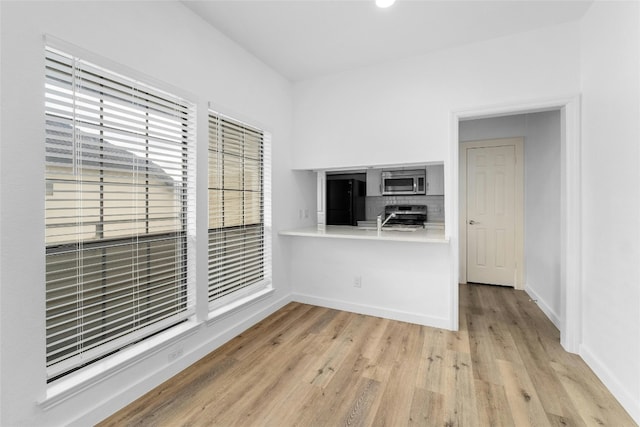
[[117, 68], [361, 168], [77, 382], [236, 298], [55, 50], [571, 213], [230, 308], [571, 228], [215, 339], [202, 217], [370, 310], [546, 309], [518, 144], [237, 116], [626, 398], [452, 207]]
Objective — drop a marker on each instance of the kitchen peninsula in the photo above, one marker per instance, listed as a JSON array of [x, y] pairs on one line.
[[430, 234], [396, 273]]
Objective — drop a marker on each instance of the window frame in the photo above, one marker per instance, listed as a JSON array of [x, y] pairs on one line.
[[188, 207], [263, 286]]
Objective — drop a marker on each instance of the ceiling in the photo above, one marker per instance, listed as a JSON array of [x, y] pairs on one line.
[[303, 39]]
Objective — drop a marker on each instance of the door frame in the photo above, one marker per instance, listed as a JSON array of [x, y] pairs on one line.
[[570, 208], [518, 144]]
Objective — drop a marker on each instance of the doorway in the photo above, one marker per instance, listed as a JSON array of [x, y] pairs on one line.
[[491, 212], [570, 320]]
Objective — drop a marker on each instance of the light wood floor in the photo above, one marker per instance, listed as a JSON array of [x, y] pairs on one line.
[[312, 366]]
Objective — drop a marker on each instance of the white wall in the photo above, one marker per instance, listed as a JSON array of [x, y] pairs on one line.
[[400, 112], [542, 142], [399, 280], [610, 80], [167, 42]]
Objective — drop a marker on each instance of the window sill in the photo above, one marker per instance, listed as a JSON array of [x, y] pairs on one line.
[[75, 383], [226, 310]]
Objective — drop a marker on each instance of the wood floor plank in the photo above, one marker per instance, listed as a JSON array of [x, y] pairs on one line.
[[430, 374], [370, 348], [458, 340], [382, 361], [535, 360], [336, 346], [526, 408], [263, 396], [592, 400], [360, 411], [427, 409], [340, 392], [395, 406], [500, 339], [297, 412], [460, 398], [493, 406], [313, 366], [252, 340]]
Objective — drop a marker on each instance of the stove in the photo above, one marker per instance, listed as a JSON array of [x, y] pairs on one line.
[[406, 215]]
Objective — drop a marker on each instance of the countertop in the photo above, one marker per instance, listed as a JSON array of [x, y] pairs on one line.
[[430, 234]]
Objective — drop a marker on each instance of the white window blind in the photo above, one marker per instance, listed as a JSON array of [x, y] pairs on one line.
[[118, 212], [239, 209]]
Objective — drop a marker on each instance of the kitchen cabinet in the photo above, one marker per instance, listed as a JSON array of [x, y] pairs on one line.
[[374, 182], [435, 180]]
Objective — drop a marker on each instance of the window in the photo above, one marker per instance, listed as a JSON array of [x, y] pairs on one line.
[[239, 205], [118, 211]]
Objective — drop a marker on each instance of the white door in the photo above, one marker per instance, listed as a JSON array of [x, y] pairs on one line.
[[491, 215]]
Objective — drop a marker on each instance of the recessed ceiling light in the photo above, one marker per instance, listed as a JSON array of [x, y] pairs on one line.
[[384, 3]]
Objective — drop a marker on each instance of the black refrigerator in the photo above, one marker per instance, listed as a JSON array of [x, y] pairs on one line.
[[345, 201]]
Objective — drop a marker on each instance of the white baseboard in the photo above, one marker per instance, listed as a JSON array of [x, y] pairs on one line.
[[403, 316], [164, 371], [546, 309], [629, 402]]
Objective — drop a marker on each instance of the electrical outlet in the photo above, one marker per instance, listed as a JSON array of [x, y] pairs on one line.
[[357, 282], [175, 354]]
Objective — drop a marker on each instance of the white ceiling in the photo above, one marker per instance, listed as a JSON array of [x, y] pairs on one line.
[[302, 39]]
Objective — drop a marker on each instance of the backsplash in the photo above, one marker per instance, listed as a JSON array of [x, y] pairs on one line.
[[435, 205]]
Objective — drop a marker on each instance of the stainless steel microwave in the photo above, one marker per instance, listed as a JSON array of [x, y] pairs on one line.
[[404, 182]]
